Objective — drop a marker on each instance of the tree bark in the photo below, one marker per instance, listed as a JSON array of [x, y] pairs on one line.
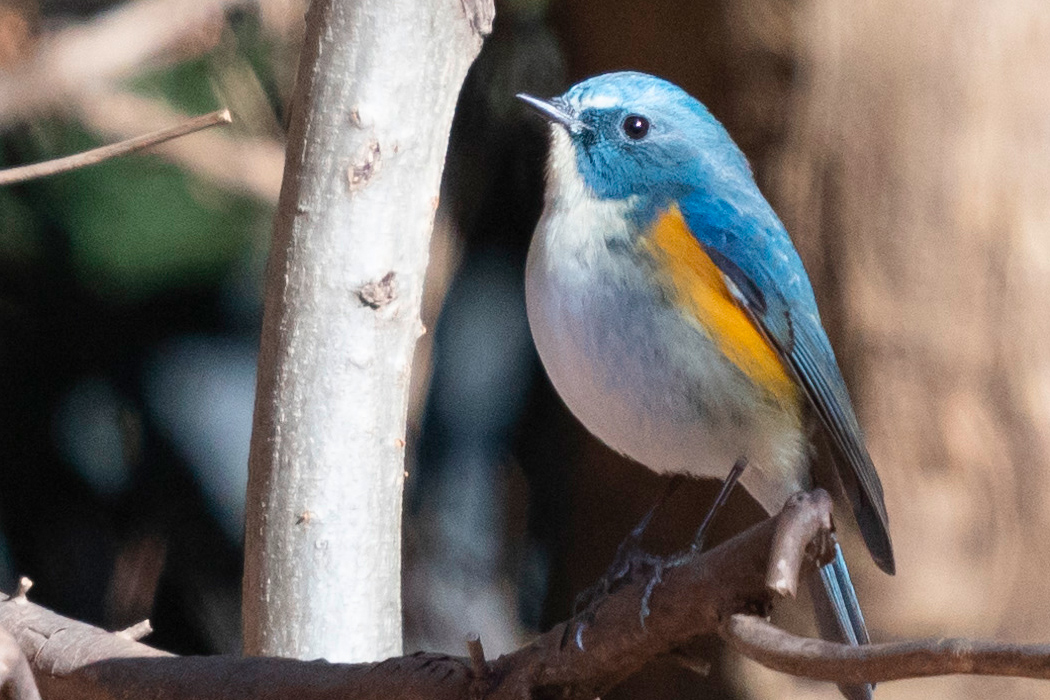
[[377, 85]]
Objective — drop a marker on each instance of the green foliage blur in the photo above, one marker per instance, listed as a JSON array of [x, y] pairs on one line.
[[138, 225], [130, 304]]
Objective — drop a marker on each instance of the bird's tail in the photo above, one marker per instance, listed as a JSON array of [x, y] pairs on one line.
[[839, 618]]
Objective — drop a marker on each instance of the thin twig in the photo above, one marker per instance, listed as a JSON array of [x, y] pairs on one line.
[[137, 631], [774, 648], [477, 657], [242, 163], [97, 155]]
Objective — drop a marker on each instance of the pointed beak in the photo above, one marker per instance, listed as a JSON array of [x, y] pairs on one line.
[[553, 110]]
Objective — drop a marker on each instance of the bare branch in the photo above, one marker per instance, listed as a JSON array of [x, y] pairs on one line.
[[369, 125], [97, 155], [239, 163], [704, 595], [691, 601], [874, 663]]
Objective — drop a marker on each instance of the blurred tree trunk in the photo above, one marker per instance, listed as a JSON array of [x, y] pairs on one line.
[[377, 84], [917, 183]]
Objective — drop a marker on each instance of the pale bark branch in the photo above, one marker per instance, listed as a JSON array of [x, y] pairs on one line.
[[55, 166], [375, 93]]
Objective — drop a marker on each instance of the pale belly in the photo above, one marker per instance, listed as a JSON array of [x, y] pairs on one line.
[[650, 383]]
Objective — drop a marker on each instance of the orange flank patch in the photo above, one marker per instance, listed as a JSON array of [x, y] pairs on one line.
[[698, 284]]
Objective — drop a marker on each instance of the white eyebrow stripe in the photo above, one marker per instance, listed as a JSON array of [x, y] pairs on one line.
[[598, 101]]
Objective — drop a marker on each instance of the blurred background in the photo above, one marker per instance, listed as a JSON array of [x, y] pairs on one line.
[[906, 146]]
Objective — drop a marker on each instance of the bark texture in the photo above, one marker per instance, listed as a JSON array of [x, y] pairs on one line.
[[377, 84]]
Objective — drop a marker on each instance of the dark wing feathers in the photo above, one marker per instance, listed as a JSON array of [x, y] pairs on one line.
[[814, 365], [768, 280]]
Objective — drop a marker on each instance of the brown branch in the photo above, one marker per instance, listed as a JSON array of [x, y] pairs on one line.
[[97, 155], [77, 661], [874, 663], [241, 163], [703, 596]]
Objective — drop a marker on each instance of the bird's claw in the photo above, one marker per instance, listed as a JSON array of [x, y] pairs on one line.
[[631, 561]]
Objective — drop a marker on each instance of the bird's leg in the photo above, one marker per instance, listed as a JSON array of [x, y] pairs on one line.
[[629, 557], [698, 539], [723, 495]]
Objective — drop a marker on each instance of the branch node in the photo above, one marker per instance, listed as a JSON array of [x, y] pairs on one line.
[[478, 664], [802, 532], [365, 166], [24, 584], [378, 294], [137, 631]]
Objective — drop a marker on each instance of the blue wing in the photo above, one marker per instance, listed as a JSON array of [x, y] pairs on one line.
[[745, 239]]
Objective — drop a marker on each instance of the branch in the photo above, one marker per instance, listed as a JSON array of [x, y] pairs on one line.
[[80, 662], [774, 648], [239, 163], [377, 86], [705, 595], [97, 155]]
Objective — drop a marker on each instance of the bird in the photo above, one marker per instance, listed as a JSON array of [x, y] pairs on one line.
[[676, 320]]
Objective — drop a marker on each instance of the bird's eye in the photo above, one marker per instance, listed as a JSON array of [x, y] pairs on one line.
[[635, 126]]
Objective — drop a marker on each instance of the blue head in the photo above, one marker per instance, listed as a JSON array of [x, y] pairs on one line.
[[632, 134]]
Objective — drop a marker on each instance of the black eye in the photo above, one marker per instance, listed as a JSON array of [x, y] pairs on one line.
[[635, 126]]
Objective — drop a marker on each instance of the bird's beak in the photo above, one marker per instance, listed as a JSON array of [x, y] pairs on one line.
[[553, 110]]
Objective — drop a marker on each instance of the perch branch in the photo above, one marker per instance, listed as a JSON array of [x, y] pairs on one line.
[[705, 595], [97, 155], [76, 661]]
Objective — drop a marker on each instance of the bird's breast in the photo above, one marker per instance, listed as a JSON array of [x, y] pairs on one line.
[[649, 351]]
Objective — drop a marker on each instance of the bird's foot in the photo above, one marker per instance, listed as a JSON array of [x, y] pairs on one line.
[[664, 563], [632, 561], [629, 561]]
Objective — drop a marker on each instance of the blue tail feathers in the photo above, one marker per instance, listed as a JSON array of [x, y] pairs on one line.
[[839, 618]]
